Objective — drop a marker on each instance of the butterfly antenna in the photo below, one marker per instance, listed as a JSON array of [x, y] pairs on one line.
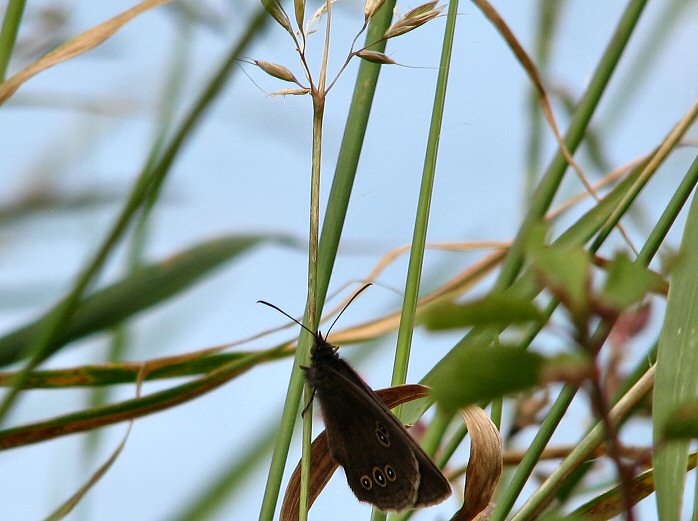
[[277, 308], [345, 307]]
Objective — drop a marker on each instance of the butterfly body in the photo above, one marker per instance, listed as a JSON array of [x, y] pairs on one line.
[[384, 466]]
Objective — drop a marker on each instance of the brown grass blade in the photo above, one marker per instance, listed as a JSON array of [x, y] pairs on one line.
[[75, 47], [532, 70]]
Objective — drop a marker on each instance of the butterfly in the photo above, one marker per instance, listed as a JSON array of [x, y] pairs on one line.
[[384, 465]]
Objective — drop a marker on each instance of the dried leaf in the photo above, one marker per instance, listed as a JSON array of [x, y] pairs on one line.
[[375, 57], [75, 47], [484, 466]]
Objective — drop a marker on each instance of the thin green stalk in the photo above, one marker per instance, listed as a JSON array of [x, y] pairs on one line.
[[669, 215], [667, 146], [313, 311], [419, 235], [8, 34]]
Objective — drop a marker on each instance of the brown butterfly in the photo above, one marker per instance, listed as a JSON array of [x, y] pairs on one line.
[[383, 464]]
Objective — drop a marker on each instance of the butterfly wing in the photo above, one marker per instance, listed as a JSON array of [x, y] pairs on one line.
[[383, 464], [378, 460]]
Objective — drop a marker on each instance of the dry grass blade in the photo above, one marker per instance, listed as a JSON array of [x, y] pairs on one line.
[[75, 47], [530, 67], [484, 466], [322, 463], [456, 286], [72, 502]]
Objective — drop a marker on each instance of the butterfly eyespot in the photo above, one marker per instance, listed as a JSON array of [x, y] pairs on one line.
[[382, 434], [366, 482], [390, 473], [379, 477]]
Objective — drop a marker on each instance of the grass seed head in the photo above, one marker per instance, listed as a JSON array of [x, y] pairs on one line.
[[274, 8], [375, 57], [276, 70]]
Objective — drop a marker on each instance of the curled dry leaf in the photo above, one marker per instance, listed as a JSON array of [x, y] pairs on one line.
[[322, 463], [375, 57], [484, 466], [276, 70]]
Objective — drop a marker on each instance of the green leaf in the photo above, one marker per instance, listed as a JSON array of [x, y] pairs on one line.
[[564, 270], [677, 370], [482, 373], [495, 309], [627, 283], [150, 285], [682, 423]]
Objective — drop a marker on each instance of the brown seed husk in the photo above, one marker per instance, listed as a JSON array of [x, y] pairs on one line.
[[372, 7], [405, 25], [299, 8], [276, 70], [420, 9], [274, 8], [375, 57]]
